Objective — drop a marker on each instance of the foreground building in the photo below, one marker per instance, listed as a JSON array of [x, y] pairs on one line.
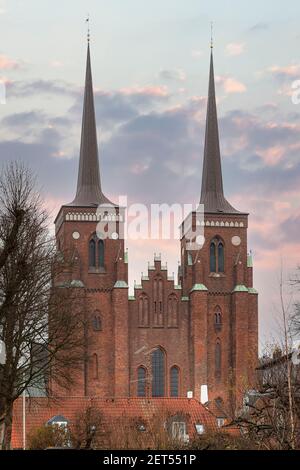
[[119, 422]]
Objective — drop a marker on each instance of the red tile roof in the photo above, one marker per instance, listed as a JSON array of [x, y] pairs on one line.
[[40, 410]]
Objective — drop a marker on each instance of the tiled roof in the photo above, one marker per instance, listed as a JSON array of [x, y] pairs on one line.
[[40, 410]]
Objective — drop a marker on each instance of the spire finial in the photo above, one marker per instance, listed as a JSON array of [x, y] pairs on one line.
[[88, 28], [211, 35]]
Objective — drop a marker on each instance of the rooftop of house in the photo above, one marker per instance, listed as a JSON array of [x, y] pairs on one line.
[[41, 411]]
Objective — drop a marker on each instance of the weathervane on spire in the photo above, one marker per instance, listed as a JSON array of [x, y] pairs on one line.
[[88, 28], [211, 35]]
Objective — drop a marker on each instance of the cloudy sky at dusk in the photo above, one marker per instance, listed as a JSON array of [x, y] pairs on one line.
[[150, 63]]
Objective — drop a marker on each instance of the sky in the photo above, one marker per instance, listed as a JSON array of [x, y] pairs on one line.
[[150, 64]]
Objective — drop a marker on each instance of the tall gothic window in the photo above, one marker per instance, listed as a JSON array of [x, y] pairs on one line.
[[213, 258], [158, 298], [158, 373], [172, 311], [97, 324], [218, 359], [101, 254], [220, 257], [217, 258], [95, 366], [174, 381], [218, 319], [96, 252], [141, 385], [92, 253], [143, 310]]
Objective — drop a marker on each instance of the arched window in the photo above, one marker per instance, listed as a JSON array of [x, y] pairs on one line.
[[218, 319], [213, 258], [146, 311], [220, 257], [141, 385], [101, 254], [97, 324], [155, 300], [174, 381], [158, 298], [158, 373], [95, 366], [218, 359], [217, 257], [143, 310], [92, 253]]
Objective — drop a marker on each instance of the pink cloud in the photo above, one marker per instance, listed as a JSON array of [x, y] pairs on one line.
[[235, 48], [7, 64], [272, 155], [142, 251], [138, 168], [160, 91], [289, 70], [231, 85]]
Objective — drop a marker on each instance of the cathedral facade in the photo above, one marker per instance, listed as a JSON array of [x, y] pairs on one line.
[[195, 339]]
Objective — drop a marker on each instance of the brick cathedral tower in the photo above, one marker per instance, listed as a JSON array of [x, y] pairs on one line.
[[99, 268], [218, 279]]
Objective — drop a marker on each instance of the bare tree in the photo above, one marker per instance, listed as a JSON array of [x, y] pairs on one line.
[[266, 415], [271, 415], [286, 336], [88, 431], [37, 320]]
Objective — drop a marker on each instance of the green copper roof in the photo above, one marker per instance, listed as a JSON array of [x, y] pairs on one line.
[[131, 297], [199, 287], [185, 299], [249, 261], [76, 283], [121, 285], [251, 290], [240, 289]]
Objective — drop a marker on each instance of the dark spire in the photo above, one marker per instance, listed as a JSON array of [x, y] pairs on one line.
[[212, 195], [89, 192]]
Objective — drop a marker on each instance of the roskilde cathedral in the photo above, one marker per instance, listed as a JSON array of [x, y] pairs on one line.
[[198, 338]]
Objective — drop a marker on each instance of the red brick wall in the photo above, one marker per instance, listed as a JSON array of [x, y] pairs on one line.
[[124, 344], [173, 340], [101, 299]]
